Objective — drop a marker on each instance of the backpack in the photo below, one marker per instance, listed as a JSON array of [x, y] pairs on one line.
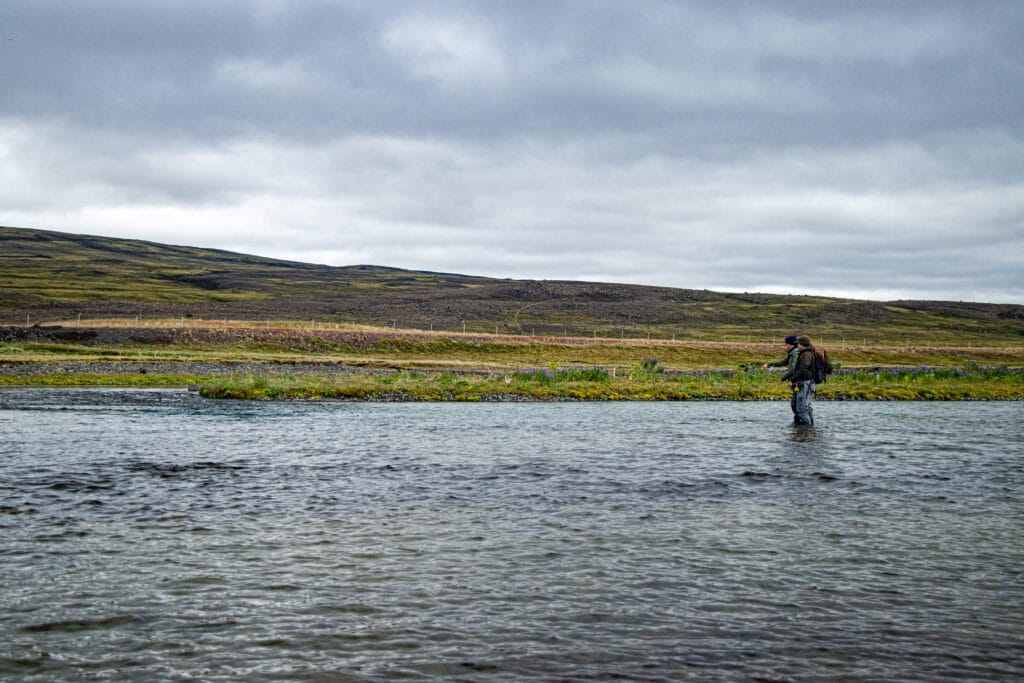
[[821, 366]]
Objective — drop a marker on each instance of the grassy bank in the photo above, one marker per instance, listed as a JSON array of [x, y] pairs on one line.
[[106, 379], [410, 349], [593, 384], [646, 381], [415, 365]]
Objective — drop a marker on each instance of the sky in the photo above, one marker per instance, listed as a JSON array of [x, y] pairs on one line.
[[862, 149]]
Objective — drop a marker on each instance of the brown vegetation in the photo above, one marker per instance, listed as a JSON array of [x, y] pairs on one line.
[[58, 278]]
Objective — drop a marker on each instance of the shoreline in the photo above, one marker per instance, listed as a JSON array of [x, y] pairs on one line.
[[402, 397], [335, 381]]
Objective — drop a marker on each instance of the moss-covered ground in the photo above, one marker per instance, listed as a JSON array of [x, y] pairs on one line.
[[597, 384]]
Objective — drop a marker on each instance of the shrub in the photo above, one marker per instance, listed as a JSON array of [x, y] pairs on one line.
[[648, 369]]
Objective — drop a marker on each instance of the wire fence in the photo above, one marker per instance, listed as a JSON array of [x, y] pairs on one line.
[[604, 334]]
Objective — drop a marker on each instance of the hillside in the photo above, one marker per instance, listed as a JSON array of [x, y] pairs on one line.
[[51, 277]]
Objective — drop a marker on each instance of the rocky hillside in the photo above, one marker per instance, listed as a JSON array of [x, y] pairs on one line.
[[49, 277]]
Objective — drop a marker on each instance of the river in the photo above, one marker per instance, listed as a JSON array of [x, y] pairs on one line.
[[156, 535]]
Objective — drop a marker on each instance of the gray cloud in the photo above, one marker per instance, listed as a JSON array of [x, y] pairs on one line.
[[700, 144]]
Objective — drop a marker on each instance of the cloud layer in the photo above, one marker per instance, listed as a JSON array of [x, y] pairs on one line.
[[854, 149]]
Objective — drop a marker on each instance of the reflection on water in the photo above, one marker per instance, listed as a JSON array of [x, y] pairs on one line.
[[153, 535], [804, 434]]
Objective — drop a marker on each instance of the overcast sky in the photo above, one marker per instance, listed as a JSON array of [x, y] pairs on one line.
[[864, 149]]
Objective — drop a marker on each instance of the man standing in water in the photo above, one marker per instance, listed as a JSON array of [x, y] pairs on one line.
[[801, 381], [789, 362]]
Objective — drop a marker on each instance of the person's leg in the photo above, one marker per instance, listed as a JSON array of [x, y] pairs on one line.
[[802, 399]]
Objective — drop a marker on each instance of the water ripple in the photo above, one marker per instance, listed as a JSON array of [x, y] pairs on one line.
[[152, 535]]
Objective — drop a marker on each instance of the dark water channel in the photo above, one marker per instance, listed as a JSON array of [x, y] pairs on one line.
[[156, 535]]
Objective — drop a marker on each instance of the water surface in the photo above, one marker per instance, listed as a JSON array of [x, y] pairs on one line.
[[156, 535]]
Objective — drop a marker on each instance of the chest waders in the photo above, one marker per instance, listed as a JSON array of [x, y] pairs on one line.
[[801, 402]]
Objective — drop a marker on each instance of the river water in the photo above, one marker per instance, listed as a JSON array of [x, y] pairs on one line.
[[157, 535]]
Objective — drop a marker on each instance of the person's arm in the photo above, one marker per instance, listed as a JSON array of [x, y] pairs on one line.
[[790, 364]]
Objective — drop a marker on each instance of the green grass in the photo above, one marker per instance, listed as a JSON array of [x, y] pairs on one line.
[[595, 384], [649, 378], [86, 379]]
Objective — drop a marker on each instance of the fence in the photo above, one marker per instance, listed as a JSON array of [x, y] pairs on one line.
[[603, 334]]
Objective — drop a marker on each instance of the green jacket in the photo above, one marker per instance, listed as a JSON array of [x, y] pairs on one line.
[[802, 370], [789, 362]]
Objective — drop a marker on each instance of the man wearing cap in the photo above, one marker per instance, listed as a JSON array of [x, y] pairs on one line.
[[789, 362], [801, 380]]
